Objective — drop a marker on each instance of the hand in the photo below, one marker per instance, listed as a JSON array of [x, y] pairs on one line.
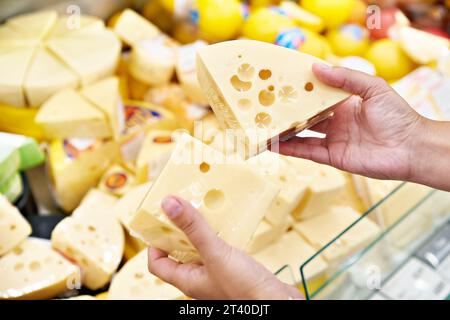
[[226, 272], [372, 134]]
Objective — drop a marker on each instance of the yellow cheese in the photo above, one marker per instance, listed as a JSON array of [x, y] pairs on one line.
[[117, 181], [265, 235], [135, 282], [153, 61], [291, 250], [38, 85], [130, 202], [301, 16], [133, 28], [187, 72], [321, 229], [105, 95], [96, 204], [13, 66], [34, 271], [70, 24], [91, 55], [12, 39], [36, 25], [68, 114], [94, 243], [261, 99], [13, 226], [232, 197], [154, 154]]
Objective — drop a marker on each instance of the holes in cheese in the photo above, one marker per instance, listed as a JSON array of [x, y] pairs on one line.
[[266, 97], [265, 74], [246, 72], [240, 85], [204, 167], [309, 86], [263, 120], [214, 199]]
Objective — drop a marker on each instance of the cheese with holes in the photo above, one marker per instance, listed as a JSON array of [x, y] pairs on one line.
[[132, 28], [34, 271], [68, 114], [13, 226], [96, 204], [154, 154], [94, 243], [36, 24], [322, 229], [265, 235], [117, 181], [261, 99], [232, 197], [105, 95], [134, 282]]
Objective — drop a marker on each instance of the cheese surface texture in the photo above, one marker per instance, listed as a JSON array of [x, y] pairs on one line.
[[262, 99], [200, 175]]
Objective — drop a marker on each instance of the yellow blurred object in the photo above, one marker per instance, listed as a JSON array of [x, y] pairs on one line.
[[102, 296], [262, 3], [302, 17], [389, 59], [136, 88], [316, 45], [349, 40], [359, 13], [185, 32], [159, 15], [20, 121], [333, 12], [264, 24]]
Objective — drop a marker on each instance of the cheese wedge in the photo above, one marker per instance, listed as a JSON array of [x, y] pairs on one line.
[[34, 271], [135, 282], [14, 64], [36, 24], [70, 24], [132, 28], [200, 175], [67, 114], [105, 95], [302, 17], [155, 152], [12, 39], [322, 229], [130, 202], [207, 129], [96, 204], [13, 226], [117, 181], [261, 100], [38, 85], [265, 235], [94, 243]]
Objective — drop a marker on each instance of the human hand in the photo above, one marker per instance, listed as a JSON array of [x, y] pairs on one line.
[[372, 133], [225, 273]]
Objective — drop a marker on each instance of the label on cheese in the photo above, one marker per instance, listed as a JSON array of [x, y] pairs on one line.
[[260, 98], [201, 175], [117, 181], [132, 28], [33, 270], [29, 151], [13, 226]]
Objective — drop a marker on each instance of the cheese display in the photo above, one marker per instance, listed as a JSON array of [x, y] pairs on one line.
[[29, 151], [134, 282], [200, 175], [258, 99], [117, 181], [40, 55], [13, 226], [34, 271]]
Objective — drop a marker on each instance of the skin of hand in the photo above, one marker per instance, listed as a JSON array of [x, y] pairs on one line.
[[225, 272]]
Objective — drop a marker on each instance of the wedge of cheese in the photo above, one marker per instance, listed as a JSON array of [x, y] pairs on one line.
[[105, 95], [258, 98], [132, 28], [135, 282], [265, 235], [96, 204], [232, 197], [34, 271], [94, 243], [36, 24], [321, 229], [65, 25], [13, 226], [117, 181], [12, 39], [155, 152], [130, 202], [67, 114]]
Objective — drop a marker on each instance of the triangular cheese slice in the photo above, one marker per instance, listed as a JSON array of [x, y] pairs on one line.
[[133, 28], [105, 95], [11, 38], [70, 24], [38, 85], [13, 66], [92, 55], [263, 90], [68, 114], [35, 25]]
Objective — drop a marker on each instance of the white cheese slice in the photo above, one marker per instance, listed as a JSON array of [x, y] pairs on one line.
[[133, 28]]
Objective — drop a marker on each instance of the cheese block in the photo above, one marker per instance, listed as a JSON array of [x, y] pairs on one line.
[[301, 16], [13, 226], [94, 243], [232, 197], [153, 61], [9, 162], [431, 47], [130, 202], [76, 165], [68, 24], [321, 229], [265, 235], [261, 100], [14, 64], [154, 154], [105, 95], [117, 181], [12, 188], [36, 24], [187, 72], [132, 28], [135, 282], [291, 250], [29, 151], [68, 114], [34, 271], [96, 204], [38, 85]]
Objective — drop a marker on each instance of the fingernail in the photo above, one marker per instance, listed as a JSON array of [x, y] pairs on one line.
[[322, 66], [172, 207]]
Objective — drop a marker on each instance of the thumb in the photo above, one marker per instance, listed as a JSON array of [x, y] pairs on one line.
[[351, 81]]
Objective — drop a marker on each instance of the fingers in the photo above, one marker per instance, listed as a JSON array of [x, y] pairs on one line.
[[306, 148], [354, 82]]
